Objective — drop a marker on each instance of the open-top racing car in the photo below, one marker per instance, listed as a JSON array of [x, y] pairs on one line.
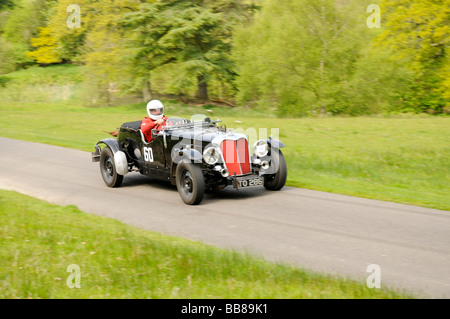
[[195, 155]]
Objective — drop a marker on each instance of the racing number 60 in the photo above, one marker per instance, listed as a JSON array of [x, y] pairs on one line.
[[148, 154]]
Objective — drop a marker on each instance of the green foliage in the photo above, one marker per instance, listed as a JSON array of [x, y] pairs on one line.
[[56, 42], [46, 45], [305, 57], [4, 80], [297, 56], [419, 32], [377, 85], [96, 43], [4, 4], [18, 25], [104, 54], [290, 58], [193, 35], [7, 54]]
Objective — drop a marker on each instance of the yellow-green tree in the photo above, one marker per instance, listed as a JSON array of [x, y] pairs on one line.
[[46, 47], [57, 41], [19, 22], [104, 52], [418, 31], [98, 43]]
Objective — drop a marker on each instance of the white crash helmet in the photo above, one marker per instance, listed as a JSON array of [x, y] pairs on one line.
[[155, 109]]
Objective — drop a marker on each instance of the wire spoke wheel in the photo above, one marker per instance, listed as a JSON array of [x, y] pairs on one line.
[[188, 183], [109, 165]]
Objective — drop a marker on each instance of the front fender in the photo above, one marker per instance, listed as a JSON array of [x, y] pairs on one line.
[[275, 143], [189, 154]]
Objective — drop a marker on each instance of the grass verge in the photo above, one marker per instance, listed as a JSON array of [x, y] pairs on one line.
[[40, 240]]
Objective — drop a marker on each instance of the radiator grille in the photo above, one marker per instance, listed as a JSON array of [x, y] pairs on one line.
[[236, 156]]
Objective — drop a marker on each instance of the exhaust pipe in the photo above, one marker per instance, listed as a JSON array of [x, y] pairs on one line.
[[224, 172]]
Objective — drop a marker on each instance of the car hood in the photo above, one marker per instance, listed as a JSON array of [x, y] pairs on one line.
[[204, 134]]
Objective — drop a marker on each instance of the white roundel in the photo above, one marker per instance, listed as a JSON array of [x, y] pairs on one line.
[[155, 109]]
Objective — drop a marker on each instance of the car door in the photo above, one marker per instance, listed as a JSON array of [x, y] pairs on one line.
[[155, 163]]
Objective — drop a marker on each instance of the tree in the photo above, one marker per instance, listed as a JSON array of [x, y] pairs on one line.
[[57, 42], [4, 4], [419, 32], [297, 54], [103, 50], [20, 23], [47, 49], [195, 35], [97, 43]]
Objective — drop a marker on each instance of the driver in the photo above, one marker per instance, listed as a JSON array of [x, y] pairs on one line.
[[156, 119]]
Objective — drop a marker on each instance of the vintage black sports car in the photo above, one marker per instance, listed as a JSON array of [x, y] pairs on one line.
[[195, 155]]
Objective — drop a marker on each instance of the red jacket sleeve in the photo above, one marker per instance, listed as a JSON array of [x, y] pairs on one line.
[[148, 124]]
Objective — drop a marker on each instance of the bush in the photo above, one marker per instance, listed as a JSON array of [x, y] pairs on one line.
[[4, 80]]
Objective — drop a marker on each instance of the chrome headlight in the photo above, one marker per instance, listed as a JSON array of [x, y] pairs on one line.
[[261, 148], [211, 155]]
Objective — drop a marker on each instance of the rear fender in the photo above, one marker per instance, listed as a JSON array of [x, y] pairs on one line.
[[120, 159]]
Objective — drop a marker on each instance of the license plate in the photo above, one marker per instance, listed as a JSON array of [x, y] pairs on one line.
[[256, 181]]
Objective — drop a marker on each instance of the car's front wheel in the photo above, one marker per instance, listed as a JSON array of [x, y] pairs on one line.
[[276, 181], [108, 168], [190, 183]]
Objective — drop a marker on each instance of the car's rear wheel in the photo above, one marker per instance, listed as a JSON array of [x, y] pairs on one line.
[[108, 168], [275, 182], [190, 183]]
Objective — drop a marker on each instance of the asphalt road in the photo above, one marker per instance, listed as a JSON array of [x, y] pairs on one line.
[[325, 232]]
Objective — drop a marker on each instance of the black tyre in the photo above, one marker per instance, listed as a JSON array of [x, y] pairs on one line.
[[275, 182], [108, 168], [190, 183]]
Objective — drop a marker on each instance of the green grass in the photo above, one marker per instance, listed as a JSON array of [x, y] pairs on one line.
[[59, 74], [405, 160], [401, 159], [52, 84], [40, 240]]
